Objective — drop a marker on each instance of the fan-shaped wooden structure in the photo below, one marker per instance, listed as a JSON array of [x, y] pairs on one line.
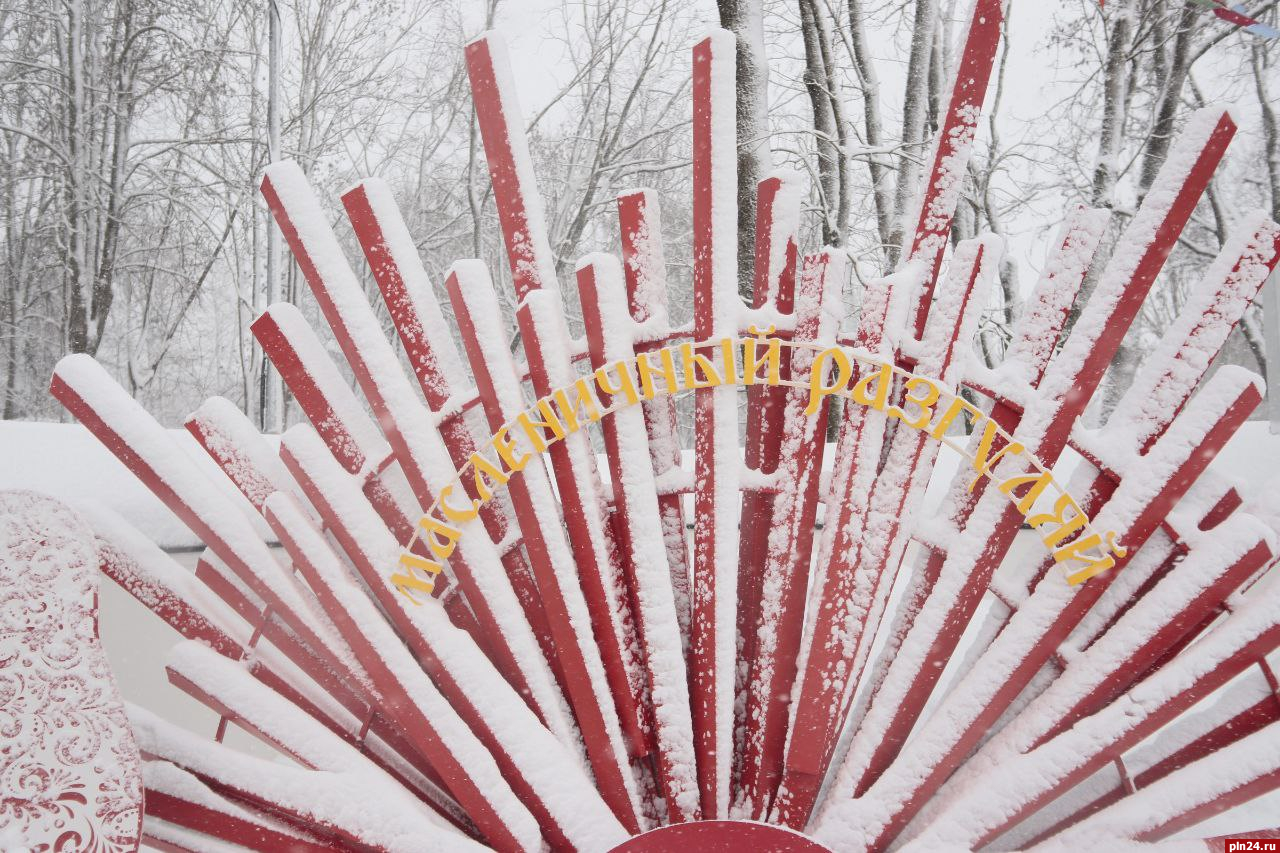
[[484, 633]]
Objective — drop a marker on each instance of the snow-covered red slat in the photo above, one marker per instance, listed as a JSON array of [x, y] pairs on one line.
[[952, 146], [229, 437], [1053, 610], [331, 406], [862, 567], [1241, 712], [349, 796], [1034, 340], [784, 573], [231, 828], [353, 523], [541, 317], [546, 341], [129, 432], [644, 268], [588, 689], [411, 302], [406, 424], [1028, 781], [544, 773], [349, 433], [427, 718], [1124, 655], [506, 149], [197, 613], [641, 535], [176, 796], [773, 289], [1219, 781], [1070, 380], [716, 309]]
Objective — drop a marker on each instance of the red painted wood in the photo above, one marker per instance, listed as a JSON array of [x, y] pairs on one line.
[[784, 572], [640, 228], [672, 723], [1084, 382], [427, 358], [609, 768], [225, 826], [858, 578], [764, 429], [720, 836], [952, 146]]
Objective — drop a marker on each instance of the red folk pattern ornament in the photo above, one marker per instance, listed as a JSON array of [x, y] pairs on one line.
[[69, 768], [471, 637]]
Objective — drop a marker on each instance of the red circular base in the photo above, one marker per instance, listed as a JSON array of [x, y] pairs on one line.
[[720, 836]]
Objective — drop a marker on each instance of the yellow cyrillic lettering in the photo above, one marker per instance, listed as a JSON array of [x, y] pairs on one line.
[[818, 372], [925, 402]]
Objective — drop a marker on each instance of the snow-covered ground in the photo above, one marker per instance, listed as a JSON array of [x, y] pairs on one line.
[[66, 462]]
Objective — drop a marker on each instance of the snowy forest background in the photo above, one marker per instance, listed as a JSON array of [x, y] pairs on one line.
[[135, 133]]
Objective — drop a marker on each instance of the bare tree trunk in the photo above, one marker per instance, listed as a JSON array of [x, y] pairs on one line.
[[1172, 70], [817, 85], [1176, 75], [873, 129], [915, 107], [746, 20], [1115, 96]]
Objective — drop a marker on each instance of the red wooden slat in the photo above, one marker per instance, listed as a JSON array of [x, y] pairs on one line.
[[716, 307], [777, 214], [641, 537], [785, 570], [644, 267]]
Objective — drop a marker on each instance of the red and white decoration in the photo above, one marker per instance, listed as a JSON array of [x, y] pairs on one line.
[[744, 640], [70, 776]]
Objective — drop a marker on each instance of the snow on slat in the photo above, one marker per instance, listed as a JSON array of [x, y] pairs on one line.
[[1126, 653], [228, 436], [331, 406], [406, 424], [1167, 378], [411, 302], [952, 145], [1034, 340], [1069, 382], [548, 351], [872, 540], [546, 341], [1232, 646], [197, 612], [1029, 780], [349, 433], [784, 572], [716, 309], [546, 775], [510, 644], [641, 535], [1241, 708], [137, 440], [515, 190], [178, 797], [1196, 792], [546, 344], [1047, 617], [777, 221], [645, 271], [596, 705], [346, 795], [354, 524]]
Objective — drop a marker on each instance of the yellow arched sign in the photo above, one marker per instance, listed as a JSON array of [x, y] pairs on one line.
[[926, 405]]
